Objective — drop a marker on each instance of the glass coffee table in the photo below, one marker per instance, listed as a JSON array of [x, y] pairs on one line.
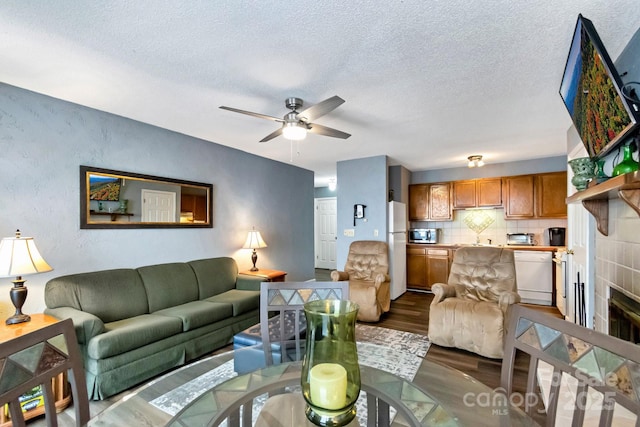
[[238, 400]]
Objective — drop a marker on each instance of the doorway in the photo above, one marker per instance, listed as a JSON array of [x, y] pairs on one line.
[[326, 225], [158, 206]]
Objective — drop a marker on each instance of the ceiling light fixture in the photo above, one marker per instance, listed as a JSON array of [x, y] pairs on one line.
[[475, 161], [332, 184], [294, 131]]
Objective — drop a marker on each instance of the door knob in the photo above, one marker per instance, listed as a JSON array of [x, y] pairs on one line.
[[569, 251]]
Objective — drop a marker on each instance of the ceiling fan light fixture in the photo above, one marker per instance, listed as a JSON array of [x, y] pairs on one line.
[[294, 131], [475, 161]]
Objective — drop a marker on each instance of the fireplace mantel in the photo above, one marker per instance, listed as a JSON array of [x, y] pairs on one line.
[[596, 198]]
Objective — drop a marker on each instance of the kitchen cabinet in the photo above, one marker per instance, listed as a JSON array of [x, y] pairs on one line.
[[427, 265], [430, 202], [477, 193], [194, 205], [535, 196], [419, 202], [551, 195], [518, 196], [417, 268]]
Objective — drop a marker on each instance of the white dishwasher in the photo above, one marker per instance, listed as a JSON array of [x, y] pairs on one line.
[[534, 275]]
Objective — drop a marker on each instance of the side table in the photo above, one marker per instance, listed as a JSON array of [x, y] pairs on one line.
[[267, 275], [60, 385]]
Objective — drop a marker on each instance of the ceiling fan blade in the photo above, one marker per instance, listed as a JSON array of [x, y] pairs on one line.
[[320, 109], [249, 113], [272, 135], [327, 131]]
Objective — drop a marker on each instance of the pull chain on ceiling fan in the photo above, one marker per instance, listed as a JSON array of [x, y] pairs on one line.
[[295, 125]]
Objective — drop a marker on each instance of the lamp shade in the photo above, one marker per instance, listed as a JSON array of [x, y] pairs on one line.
[[254, 241], [19, 256]]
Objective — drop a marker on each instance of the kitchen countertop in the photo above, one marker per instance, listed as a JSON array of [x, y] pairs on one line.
[[515, 248]]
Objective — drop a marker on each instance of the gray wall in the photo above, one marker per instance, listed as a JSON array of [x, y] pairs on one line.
[[549, 164], [43, 141], [361, 181]]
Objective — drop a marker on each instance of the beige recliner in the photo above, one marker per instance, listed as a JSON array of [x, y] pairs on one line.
[[470, 311], [367, 270]]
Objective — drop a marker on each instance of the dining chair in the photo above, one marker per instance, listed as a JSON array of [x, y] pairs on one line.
[[283, 335], [35, 359], [583, 377]]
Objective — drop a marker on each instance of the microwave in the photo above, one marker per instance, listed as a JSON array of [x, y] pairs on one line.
[[423, 235]]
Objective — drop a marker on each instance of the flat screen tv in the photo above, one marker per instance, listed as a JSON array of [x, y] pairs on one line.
[[592, 92], [104, 188]]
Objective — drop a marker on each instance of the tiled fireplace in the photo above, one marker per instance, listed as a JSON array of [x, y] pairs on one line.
[[617, 262]]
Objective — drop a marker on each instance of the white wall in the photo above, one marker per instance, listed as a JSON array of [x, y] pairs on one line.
[[43, 141]]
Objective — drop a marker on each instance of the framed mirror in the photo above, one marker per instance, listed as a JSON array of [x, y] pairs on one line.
[[116, 199]]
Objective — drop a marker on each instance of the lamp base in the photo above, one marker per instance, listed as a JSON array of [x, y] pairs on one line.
[[18, 318], [254, 258], [18, 296]]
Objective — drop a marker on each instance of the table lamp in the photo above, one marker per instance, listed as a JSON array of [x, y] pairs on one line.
[[19, 257], [254, 241]]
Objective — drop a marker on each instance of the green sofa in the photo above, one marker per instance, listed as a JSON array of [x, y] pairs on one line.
[[133, 324]]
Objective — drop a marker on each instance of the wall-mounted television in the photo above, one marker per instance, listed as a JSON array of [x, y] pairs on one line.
[[104, 188], [592, 92]]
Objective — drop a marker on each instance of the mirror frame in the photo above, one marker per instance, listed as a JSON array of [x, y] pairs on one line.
[[85, 222]]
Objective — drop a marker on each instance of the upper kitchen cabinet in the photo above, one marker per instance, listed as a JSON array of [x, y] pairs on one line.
[[518, 196], [535, 196], [430, 202], [477, 193], [551, 195]]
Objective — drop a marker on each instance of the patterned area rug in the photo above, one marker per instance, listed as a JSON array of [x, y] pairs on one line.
[[400, 353]]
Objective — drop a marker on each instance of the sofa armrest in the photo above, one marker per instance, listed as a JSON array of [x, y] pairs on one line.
[[245, 282], [339, 276], [442, 291], [506, 299], [86, 324]]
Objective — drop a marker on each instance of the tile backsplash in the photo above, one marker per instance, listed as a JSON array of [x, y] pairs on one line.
[[458, 232]]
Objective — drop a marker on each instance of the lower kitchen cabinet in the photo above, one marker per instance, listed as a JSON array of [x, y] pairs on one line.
[[427, 265]]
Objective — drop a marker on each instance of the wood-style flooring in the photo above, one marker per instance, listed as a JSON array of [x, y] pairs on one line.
[[409, 313]]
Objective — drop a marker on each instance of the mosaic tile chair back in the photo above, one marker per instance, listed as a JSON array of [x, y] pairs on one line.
[[33, 360], [287, 299], [584, 377]]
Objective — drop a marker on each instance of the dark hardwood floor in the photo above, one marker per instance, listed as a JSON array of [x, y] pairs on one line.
[[408, 313]]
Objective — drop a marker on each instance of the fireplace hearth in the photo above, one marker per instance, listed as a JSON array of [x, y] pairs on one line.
[[624, 317]]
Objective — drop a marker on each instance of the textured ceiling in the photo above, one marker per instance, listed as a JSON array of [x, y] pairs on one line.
[[426, 83]]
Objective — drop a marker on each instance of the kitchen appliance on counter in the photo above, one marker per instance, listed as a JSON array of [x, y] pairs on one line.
[[397, 248], [424, 235], [556, 236], [520, 239]]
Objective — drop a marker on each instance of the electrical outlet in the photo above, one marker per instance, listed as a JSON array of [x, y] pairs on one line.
[[350, 232], [375, 233]]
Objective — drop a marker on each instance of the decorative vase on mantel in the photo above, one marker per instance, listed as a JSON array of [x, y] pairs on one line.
[[627, 164], [600, 175], [583, 172]]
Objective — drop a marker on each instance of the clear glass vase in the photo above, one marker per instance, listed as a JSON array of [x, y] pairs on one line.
[[330, 376]]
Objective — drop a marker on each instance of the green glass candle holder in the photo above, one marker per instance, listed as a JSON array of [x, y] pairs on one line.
[[330, 376]]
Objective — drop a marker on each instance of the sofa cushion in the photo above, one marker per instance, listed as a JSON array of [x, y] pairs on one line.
[[169, 284], [242, 301], [215, 275], [110, 295], [195, 314], [128, 334]]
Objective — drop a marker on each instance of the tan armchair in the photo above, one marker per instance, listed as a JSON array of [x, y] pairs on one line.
[[367, 270], [470, 311]]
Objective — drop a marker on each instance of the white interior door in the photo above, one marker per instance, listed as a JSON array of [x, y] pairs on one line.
[[326, 226], [580, 256], [158, 206]]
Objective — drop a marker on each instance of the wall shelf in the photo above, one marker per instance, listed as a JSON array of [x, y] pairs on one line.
[[596, 198], [113, 215]]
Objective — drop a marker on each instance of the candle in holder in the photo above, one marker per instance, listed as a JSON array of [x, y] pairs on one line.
[[328, 383]]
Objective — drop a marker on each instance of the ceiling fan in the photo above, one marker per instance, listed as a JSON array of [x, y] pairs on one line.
[[295, 125]]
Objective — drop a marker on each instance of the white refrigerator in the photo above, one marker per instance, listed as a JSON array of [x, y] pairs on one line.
[[397, 248]]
